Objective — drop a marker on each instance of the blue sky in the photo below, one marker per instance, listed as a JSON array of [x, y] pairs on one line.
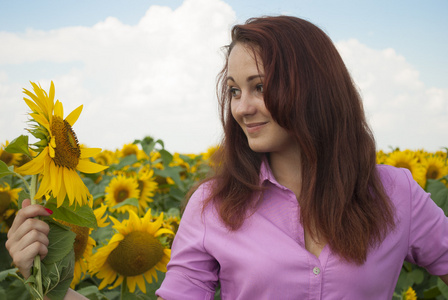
[[412, 34]]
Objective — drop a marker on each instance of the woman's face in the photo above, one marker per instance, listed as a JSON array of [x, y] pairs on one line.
[[245, 82]]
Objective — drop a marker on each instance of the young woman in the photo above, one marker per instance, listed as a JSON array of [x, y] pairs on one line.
[[297, 208]]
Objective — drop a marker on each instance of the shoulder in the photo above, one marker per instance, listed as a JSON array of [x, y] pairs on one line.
[[394, 178], [197, 204]]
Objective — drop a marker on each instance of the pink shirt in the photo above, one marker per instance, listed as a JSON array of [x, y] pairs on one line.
[[266, 258]]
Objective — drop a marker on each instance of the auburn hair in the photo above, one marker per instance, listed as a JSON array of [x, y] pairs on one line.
[[309, 92]]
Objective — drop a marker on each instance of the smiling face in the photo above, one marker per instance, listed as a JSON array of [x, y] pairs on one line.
[[245, 82]]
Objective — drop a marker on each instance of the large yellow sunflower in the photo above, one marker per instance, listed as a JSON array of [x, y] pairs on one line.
[[119, 189], [134, 253], [60, 155], [407, 159]]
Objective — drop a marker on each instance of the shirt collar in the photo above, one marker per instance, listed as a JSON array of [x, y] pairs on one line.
[[266, 173]]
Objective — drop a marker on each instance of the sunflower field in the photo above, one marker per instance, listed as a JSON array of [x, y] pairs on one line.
[[119, 210]]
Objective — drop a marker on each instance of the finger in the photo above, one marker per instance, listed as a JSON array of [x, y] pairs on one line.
[[27, 212], [26, 202], [25, 258], [28, 227]]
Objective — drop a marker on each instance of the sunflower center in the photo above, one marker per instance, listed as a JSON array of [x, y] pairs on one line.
[[121, 195], [5, 199], [136, 254], [432, 173], [67, 151], [6, 157]]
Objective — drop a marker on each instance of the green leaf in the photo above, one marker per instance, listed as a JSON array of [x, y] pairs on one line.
[[127, 161], [9, 272], [431, 293], [442, 287], [416, 276], [5, 170], [92, 293], [128, 201], [57, 277], [19, 145], [439, 193], [81, 215], [166, 157], [61, 242]]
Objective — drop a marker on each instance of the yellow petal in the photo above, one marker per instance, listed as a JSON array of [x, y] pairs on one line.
[[89, 167], [69, 184], [74, 115], [89, 152], [34, 166], [59, 109], [131, 283], [51, 96], [117, 283], [41, 120], [51, 150], [141, 283], [32, 105]]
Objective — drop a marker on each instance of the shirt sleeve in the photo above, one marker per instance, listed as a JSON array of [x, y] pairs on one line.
[[428, 236], [192, 272]]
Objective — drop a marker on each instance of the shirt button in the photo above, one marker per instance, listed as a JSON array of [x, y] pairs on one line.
[[316, 271]]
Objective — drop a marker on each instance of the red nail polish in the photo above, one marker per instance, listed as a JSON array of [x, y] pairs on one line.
[[49, 210]]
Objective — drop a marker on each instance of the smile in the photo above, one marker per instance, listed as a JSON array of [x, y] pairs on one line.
[[254, 127]]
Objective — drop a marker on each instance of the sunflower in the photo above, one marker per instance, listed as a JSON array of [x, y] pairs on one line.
[[134, 252], [105, 158], [9, 159], [129, 149], [82, 246], [119, 189], [407, 159], [99, 215], [59, 152], [7, 196], [435, 167], [410, 294], [146, 186]]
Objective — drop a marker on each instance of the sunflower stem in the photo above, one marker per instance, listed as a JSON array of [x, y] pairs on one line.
[[37, 269], [123, 289]]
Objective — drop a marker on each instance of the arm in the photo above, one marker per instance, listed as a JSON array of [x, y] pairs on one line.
[[27, 238]]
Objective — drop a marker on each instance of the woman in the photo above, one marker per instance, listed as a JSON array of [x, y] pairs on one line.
[[297, 208]]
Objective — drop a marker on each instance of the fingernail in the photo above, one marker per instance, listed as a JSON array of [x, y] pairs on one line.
[[49, 211]]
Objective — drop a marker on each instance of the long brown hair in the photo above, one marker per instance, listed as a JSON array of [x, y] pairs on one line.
[[308, 91]]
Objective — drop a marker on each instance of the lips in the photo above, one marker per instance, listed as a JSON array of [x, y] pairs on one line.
[[254, 127]]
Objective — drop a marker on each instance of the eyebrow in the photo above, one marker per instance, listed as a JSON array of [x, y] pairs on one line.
[[250, 78]]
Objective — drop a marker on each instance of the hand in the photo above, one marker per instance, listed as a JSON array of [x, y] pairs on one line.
[[28, 236]]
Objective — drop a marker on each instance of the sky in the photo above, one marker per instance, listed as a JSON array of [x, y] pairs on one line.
[[148, 68]]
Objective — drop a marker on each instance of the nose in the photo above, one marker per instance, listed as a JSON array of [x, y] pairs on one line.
[[245, 105]]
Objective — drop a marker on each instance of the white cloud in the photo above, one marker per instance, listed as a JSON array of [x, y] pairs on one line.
[[156, 78], [402, 111]]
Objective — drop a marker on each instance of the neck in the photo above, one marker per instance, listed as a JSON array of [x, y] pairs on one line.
[[287, 169]]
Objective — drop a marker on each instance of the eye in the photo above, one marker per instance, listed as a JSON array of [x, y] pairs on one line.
[[234, 92], [259, 88]]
